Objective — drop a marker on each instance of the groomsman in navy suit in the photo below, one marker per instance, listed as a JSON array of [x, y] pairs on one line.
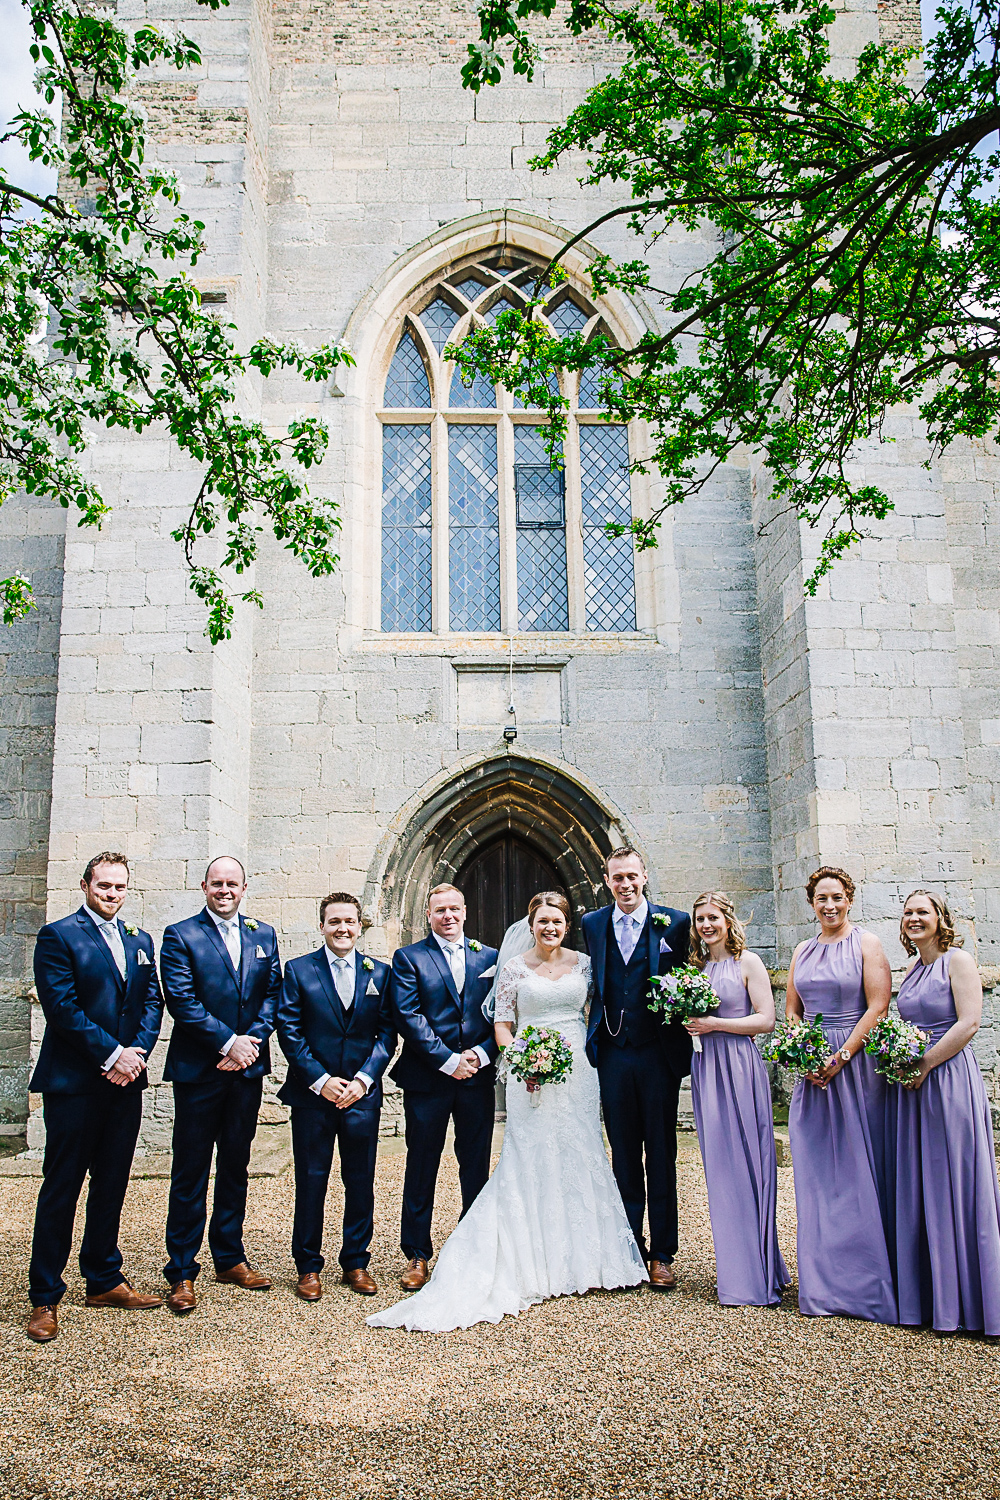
[[446, 1068], [639, 1060], [336, 1030], [221, 981], [96, 981]]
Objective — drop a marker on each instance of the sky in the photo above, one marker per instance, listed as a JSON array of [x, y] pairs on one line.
[[17, 91]]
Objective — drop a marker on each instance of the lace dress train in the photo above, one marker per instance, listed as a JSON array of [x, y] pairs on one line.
[[550, 1221]]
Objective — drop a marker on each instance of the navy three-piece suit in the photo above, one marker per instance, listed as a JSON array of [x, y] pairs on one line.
[[210, 1003], [91, 1125], [435, 1022], [640, 1064], [318, 1036]]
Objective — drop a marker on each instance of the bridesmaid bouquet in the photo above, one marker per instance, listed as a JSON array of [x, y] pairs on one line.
[[538, 1055], [682, 995], [800, 1047], [897, 1047]]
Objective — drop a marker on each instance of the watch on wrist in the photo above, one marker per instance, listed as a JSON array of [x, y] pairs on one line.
[[845, 1054]]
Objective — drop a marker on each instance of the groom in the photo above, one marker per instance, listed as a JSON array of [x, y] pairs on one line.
[[445, 1069], [639, 1060]]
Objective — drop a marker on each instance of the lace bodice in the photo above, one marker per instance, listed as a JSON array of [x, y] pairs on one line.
[[524, 996]]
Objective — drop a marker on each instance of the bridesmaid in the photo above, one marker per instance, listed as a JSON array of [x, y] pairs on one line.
[[732, 1109], [947, 1197], [837, 1119]]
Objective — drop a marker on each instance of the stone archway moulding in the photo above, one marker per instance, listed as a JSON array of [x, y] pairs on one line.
[[467, 807]]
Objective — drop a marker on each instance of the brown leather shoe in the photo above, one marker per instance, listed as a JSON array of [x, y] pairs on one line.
[[182, 1298], [309, 1287], [124, 1295], [244, 1276], [359, 1281], [42, 1325], [415, 1275], [662, 1277]]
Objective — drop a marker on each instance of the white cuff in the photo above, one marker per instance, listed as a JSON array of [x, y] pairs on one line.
[[452, 1063], [484, 1060], [224, 1049], [317, 1087], [110, 1062], [363, 1078]]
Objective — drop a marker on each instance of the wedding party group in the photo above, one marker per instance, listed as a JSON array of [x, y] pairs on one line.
[[897, 1198]]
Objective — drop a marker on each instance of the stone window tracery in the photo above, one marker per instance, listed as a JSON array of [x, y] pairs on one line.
[[479, 532]]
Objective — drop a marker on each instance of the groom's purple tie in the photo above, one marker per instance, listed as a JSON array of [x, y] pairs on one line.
[[627, 940]]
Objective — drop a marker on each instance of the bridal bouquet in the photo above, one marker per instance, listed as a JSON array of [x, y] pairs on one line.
[[538, 1055], [897, 1048], [681, 995], [799, 1046]]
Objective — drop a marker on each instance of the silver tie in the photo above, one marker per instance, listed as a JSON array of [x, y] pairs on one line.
[[231, 938], [628, 937], [113, 938], [456, 959], [344, 982]]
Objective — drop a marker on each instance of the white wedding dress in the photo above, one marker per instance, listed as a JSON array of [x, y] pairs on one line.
[[550, 1221]]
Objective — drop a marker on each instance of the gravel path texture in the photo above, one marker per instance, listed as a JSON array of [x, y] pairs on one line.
[[259, 1395]]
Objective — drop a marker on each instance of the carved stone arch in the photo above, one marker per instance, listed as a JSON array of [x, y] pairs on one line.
[[540, 801]]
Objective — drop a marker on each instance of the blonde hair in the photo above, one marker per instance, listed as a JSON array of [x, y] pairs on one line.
[[736, 938], [947, 937], [439, 890]]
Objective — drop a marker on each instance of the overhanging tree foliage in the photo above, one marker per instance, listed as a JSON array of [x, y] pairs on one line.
[[128, 342], [856, 259]]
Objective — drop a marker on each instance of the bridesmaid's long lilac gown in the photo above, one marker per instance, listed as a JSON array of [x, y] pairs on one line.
[[731, 1094], [838, 1141], [947, 1197]]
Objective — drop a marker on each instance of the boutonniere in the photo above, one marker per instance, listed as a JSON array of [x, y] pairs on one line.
[[476, 947], [366, 963], [251, 924], [660, 919], [132, 931]]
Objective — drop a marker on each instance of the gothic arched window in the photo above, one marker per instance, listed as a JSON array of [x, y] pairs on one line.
[[479, 531]]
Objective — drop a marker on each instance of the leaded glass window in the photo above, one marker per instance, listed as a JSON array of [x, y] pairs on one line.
[[608, 570], [540, 500], [480, 533], [473, 528], [406, 528], [407, 383]]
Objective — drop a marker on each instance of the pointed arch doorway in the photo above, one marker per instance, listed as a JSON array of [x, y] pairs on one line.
[[499, 881]]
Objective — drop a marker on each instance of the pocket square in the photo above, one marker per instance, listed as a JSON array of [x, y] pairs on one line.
[[260, 952], [141, 958], [664, 946], [489, 973], [372, 988]]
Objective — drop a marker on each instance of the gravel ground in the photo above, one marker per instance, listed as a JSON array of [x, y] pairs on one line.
[[611, 1395]]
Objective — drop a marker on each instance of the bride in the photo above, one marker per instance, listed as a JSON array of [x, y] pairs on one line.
[[550, 1221]]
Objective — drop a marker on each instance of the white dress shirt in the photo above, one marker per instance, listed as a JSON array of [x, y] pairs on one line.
[[109, 932], [455, 956], [620, 918], [351, 959], [229, 931]]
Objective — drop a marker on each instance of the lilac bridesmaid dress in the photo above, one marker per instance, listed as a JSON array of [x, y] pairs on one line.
[[947, 1197], [838, 1141], [732, 1109]]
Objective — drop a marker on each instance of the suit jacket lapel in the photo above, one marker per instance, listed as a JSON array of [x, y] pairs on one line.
[[105, 951], [653, 940], [361, 979], [341, 1016], [437, 954], [131, 945], [246, 954], [215, 936], [600, 949]]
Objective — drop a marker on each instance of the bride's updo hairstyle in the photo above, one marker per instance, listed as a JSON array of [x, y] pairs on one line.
[[549, 898], [736, 938]]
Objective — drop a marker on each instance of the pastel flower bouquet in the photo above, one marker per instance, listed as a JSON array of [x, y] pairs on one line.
[[897, 1047], [538, 1055], [682, 995], [799, 1046]]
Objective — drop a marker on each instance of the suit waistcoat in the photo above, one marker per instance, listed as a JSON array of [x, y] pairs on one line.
[[625, 987]]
